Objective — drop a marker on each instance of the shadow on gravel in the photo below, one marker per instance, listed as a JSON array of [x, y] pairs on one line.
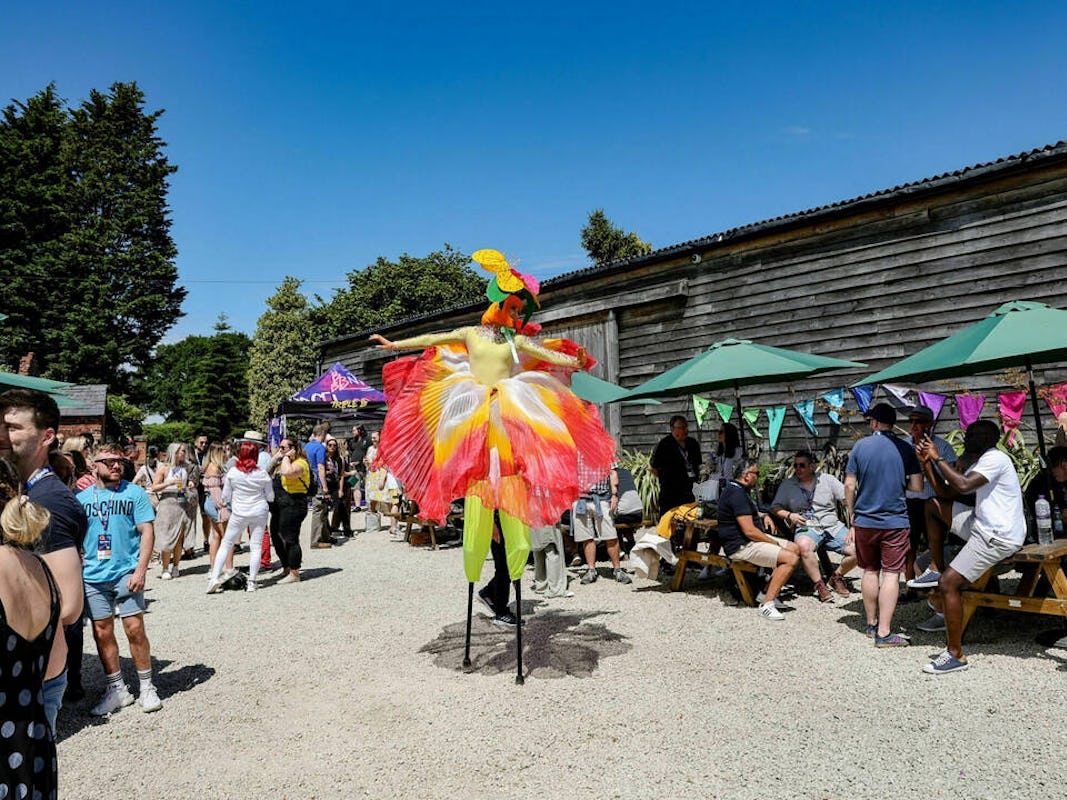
[[73, 717], [555, 644], [317, 572]]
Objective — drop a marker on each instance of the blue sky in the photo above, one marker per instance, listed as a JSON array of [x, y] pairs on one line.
[[312, 139]]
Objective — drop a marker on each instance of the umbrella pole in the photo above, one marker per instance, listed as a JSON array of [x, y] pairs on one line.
[[1040, 433], [740, 418]]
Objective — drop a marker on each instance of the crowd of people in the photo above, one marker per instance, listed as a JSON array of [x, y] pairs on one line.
[[903, 501], [81, 524]]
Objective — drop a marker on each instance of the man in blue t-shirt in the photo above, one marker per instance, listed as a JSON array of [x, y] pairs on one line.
[[880, 469], [320, 504], [118, 546], [744, 537]]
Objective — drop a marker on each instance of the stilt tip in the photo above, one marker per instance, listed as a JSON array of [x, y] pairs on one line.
[[520, 680]]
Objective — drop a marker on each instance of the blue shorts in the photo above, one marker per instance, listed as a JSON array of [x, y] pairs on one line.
[[53, 690], [101, 598], [210, 510], [836, 542]]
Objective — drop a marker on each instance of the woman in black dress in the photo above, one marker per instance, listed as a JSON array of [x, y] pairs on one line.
[[29, 617]]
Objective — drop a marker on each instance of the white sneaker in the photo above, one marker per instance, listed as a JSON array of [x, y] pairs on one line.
[[174, 571], [214, 585], [768, 611], [164, 575], [250, 586], [150, 700], [778, 604], [113, 700]]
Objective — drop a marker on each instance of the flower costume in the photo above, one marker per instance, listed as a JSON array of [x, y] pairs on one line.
[[486, 413]]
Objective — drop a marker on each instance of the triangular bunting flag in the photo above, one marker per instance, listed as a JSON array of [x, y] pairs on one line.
[[934, 402], [836, 400], [775, 418], [1011, 411], [902, 394], [751, 415], [806, 411], [1056, 397], [863, 395], [700, 408], [969, 407], [725, 411]]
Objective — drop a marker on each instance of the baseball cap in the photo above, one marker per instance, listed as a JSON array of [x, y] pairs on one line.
[[923, 413], [883, 413]]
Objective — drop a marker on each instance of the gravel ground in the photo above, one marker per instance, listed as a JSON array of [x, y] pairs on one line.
[[350, 685]]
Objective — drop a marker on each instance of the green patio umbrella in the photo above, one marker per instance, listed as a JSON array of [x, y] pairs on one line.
[[596, 390], [737, 363], [1018, 334]]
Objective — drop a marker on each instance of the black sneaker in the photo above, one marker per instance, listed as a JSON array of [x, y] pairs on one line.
[[507, 620], [480, 594]]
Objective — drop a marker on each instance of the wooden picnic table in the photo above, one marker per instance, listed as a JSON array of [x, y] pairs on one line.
[[1042, 568], [710, 557]]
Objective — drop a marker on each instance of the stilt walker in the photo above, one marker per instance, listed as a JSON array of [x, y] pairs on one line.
[[486, 413]]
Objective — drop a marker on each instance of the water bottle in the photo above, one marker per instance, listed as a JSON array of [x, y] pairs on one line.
[[1044, 520], [1057, 522]]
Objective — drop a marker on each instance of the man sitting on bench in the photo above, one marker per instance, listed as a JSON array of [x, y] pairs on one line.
[[997, 532], [806, 504], [744, 537]]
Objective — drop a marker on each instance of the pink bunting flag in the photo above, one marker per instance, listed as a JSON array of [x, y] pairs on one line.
[[969, 407], [1011, 411], [1056, 397], [934, 402]]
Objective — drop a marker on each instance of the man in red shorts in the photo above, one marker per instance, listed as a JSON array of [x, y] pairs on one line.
[[880, 469]]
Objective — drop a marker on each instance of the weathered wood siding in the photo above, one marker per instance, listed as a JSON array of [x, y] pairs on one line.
[[872, 286]]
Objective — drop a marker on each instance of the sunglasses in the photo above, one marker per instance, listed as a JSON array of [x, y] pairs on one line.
[[801, 465], [110, 462]]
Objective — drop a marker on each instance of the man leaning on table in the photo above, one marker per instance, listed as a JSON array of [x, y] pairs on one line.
[[744, 537], [997, 532]]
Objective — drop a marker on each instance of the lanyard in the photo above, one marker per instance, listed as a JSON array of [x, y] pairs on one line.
[[103, 510], [36, 477]]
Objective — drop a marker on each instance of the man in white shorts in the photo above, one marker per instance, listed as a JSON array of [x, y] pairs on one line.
[[591, 522], [996, 531]]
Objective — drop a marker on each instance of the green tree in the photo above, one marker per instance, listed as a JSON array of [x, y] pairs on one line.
[[388, 291], [162, 434], [85, 235], [281, 360], [201, 380], [605, 242], [123, 417]]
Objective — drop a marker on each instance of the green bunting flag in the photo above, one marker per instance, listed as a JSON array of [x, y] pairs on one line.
[[775, 418], [751, 415], [725, 411], [700, 408]]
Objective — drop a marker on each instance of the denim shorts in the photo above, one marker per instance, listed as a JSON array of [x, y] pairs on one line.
[[210, 510], [101, 599], [835, 543]]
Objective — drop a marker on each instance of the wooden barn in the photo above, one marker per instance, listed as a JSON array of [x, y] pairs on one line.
[[871, 279]]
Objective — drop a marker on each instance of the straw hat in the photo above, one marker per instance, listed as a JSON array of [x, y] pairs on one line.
[[255, 437]]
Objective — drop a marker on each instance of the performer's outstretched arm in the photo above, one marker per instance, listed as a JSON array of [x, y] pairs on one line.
[[419, 342], [533, 348]]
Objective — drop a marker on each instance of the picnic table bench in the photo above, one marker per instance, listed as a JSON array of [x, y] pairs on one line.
[[712, 556], [1041, 566]]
